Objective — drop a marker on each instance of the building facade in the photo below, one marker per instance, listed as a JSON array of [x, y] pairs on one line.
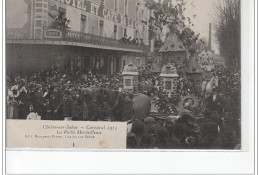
[[34, 34]]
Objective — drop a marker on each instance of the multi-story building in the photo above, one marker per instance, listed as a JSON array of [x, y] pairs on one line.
[[36, 38]]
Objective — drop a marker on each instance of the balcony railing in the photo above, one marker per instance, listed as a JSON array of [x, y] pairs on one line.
[[16, 35], [73, 36]]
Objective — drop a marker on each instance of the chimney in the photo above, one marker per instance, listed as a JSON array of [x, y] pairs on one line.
[[209, 43]]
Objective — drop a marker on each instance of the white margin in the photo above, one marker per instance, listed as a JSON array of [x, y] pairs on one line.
[[73, 162]]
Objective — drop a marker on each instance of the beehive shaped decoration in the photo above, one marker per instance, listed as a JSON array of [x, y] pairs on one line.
[[130, 78], [169, 78]]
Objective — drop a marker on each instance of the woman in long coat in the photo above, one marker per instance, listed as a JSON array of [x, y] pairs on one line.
[[12, 104]]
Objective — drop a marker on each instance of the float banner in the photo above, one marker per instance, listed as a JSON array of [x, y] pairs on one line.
[[66, 134]]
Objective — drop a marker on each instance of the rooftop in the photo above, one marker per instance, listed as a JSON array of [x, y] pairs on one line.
[[172, 44], [130, 69], [169, 70]]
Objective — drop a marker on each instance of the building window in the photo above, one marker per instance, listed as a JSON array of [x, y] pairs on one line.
[[83, 23], [38, 33], [136, 34], [97, 63], [44, 23], [126, 7], [38, 10], [78, 63], [38, 23], [93, 30], [102, 62], [101, 27], [127, 82], [116, 5], [38, 5], [115, 31], [125, 32], [136, 12], [62, 13], [137, 62], [142, 14], [168, 85]]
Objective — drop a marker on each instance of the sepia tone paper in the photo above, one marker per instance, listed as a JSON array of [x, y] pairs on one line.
[[169, 69], [67, 134]]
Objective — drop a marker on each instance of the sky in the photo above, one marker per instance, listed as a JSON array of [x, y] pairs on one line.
[[205, 11]]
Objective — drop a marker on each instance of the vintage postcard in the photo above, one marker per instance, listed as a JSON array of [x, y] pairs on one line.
[[123, 74]]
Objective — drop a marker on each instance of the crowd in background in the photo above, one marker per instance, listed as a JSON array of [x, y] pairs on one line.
[[62, 24], [213, 123], [54, 96], [126, 39]]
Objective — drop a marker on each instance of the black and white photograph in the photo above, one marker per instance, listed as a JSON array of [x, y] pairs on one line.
[[148, 74]]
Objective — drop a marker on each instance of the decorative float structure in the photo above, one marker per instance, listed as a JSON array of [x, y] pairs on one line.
[[206, 59], [188, 101], [169, 78], [194, 71], [130, 78], [173, 50]]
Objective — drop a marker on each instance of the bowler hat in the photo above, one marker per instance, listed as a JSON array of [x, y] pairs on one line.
[[137, 127], [149, 120]]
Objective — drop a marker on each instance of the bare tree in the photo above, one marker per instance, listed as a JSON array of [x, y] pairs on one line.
[[228, 31]]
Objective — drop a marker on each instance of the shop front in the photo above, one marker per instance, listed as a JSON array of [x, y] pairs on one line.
[[26, 59]]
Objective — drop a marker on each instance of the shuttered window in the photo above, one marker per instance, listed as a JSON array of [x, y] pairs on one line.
[[168, 85], [127, 82]]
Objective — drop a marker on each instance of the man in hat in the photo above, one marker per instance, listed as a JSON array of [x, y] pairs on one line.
[[78, 107], [137, 128], [47, 113], [67, 25], [23, 100], [38, 100], [150, 125], [214, 105], [66, 106], [23, 105], [55, 99]]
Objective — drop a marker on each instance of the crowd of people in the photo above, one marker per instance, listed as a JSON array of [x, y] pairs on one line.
[[50, 95], [126, 39], [214, 122], [62, 24], [206, 61], [54, 96]]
